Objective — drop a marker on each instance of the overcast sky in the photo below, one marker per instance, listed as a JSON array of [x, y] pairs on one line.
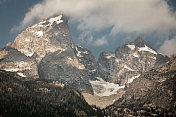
[[99, 25]]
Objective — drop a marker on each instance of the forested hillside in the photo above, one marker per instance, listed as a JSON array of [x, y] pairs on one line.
[[25, 97]]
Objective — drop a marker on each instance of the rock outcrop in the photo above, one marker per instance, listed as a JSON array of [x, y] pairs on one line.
[[152, 94], [128, 62], [46, 50], [14, 61], [49, 46], [43, 37], [86, 58], [65, 67]]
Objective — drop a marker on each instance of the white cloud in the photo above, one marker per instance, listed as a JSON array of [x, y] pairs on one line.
[[100, 42], [169, 47], [141, 16], [86, 38]]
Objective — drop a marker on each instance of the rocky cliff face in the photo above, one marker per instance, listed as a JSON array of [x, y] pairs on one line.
[[128, 62], [46, 50], [43, 37], [14, 61], [49, 46], [86, 58], [152, 94], [65, 67]]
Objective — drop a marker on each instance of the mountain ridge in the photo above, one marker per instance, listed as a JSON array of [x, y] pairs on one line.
[[131, 81], [53, 55]]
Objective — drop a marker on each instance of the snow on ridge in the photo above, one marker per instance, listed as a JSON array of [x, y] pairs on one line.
[[78, 53], [135, 55], [132, 47], [11, 70], [146, 48], [69, 58], [31, 54], [134, 77], [110, 56], [40, 33], [103, 88], [21, 74], [85, 52], [57, 19], [125, 66], [94, 70], [51, 21]]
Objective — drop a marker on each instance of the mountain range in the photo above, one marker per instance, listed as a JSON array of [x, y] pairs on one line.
[[133, 78]]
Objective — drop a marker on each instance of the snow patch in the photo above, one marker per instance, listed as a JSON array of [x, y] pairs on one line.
[[125, 66], [78, 53], [146, 48], [154, 58], [40, 33], [31, 54], [51, 21], [131, 80], [103, 88], [56, 19], [21, 74], [135, 55], [69, 58], [56, 83], [132, 47], [34, 26], [93, 70], [108, 57], [11, 70], [85, 52]]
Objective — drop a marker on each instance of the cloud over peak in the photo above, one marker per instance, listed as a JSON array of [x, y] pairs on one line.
[[123, 15], [127, 16], [169, 47]]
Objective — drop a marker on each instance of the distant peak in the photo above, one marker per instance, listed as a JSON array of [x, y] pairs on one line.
[[139, 42]]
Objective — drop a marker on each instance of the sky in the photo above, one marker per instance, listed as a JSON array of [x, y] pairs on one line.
[[99, 25]]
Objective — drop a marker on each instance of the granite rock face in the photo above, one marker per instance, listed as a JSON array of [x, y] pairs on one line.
[[48, 44], [43, 37], [65, 67], [86, 58], [152, 94], [128, 62], [14, 61], [46, 50]]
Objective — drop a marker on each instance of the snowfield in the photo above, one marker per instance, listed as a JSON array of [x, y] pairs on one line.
[[103, 88]]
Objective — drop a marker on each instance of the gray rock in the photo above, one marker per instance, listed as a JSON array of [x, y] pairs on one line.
[[86, 58], [15, 61], [64, 67], [128, 62]]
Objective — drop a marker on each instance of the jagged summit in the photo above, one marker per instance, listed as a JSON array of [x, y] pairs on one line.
[[51, 34], [48, 43], [128, 62], [139, 42], [56, 19], [52, 54]]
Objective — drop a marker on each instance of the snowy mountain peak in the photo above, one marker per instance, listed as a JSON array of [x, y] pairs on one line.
[[49, 22], [148, 49]]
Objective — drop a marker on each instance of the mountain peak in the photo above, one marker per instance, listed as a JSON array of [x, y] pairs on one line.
[[49, 21], [139, 42]]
